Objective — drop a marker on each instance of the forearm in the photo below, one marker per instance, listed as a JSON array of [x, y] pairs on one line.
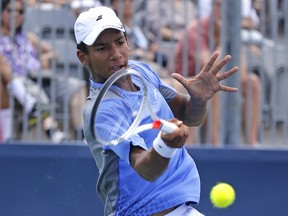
[[195, 112], [148, 164], [151, 164], [187, 109]]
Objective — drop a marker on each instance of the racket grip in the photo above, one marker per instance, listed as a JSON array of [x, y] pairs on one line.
[[167, 127]]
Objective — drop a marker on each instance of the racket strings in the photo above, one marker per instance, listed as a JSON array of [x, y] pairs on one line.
[[115, 116], [108, 125], [119, 112]]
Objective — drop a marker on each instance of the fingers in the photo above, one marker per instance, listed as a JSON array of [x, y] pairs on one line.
[[228, 89], [221, 64], [211, 62], [225, 76], [209, 75], [179, 78], [207, 67], [228, 73], [178, 138]]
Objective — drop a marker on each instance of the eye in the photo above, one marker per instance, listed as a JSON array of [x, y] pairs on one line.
[[100, 48], [120, 42]]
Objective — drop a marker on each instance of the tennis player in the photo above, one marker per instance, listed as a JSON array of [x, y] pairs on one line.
[[139, 178]]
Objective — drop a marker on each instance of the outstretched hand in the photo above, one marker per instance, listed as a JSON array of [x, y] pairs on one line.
[[204, 85]]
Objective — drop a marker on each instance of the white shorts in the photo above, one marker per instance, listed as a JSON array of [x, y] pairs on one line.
[[184, 210]]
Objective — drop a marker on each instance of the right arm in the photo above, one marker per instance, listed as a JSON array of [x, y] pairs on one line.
[[150, 165]]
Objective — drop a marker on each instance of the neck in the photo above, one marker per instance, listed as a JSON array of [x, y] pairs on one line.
[[127, 84]]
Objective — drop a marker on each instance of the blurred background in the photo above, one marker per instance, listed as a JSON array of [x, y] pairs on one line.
[[44, 86], [173, 36]]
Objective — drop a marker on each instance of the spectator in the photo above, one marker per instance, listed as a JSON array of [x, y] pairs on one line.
[[49, 4], [250, 18], [197, 34], [17, 87], [5, 111], [204, 8], [144, 49], [250, 33], [78, 6], [21, 51], [170, 17], [250, 22]]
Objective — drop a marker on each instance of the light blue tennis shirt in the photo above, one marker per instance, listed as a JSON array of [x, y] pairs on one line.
[[121, 189]]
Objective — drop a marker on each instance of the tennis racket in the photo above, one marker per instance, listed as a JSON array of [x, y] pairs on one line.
[[115, 118]]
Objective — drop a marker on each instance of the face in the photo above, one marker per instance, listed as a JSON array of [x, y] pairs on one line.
[[15, 10], [108, 54]]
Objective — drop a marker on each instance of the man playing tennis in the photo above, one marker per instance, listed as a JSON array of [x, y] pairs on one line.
[[137, 177]]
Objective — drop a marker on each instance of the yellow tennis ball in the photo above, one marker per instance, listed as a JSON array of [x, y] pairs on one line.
[[222, 195]]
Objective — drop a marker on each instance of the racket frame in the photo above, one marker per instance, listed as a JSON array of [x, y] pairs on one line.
[[134, 128]]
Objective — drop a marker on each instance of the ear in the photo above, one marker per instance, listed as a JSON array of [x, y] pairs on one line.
[[82, 57]]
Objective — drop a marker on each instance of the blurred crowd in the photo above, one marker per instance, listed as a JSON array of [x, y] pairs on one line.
[[44, 86]]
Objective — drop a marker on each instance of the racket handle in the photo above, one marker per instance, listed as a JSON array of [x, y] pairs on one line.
[[167, 127]]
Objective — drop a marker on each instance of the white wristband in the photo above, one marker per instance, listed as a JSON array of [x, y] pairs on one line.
[[161, 148]]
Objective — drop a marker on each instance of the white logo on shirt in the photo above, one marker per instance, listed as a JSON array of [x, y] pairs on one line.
[[155, 94]]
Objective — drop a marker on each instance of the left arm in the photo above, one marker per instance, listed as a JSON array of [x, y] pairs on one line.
[[191, 108], [187, 110], [46, 52]]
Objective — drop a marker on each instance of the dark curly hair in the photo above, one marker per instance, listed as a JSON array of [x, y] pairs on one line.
[[82, 47]]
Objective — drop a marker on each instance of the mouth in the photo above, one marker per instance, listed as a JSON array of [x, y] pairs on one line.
[[116, 68]]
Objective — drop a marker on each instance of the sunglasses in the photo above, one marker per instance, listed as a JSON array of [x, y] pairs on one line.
[[20, 11]]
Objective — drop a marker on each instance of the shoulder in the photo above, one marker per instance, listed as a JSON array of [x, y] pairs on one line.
[[140, 65], [148, 73]]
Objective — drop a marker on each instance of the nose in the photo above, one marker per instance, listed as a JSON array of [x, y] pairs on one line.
[[115, 53]]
